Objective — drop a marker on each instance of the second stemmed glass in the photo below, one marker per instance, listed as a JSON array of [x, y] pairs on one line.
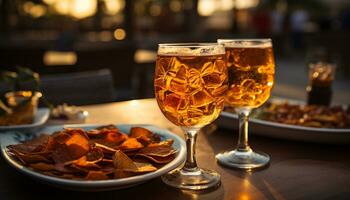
[[190, 83], [251, 69]]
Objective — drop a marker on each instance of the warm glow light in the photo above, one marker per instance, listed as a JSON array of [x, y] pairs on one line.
[[155, 10], [245, 4], [76, 8], [27, 6], [227, 4], [206, 7], [83, 8], [119, 34], [114, 6], [35, 10], [38, 11], [209, 7], [59, 58], [175, 6], [49, 2]]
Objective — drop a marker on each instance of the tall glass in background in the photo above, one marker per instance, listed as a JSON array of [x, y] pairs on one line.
[[319, 89], [190, 83], [251, 70]]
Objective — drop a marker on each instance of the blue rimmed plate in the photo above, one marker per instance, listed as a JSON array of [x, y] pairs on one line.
[[98, 185]]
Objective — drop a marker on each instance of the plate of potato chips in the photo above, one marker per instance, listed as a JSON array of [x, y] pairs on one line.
[[92, 157]]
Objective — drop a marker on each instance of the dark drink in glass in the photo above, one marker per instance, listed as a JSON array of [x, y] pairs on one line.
[[319, 90]]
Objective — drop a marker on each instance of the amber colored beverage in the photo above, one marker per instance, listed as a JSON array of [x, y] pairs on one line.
[[190, 89], [251, 75]]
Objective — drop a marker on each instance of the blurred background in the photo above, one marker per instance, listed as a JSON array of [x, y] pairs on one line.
[[107, 48]]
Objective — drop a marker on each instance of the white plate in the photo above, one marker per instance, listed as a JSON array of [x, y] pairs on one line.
[[284, 131], [100, 185], [41, 116]]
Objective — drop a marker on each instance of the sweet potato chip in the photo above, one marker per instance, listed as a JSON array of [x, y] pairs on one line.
[[75, 147], [109, 126], [144, 167], [108, 137], [89, 160], [94, 155], [35, 145], [60, 167], [130, 144], [76, 131], [122, 161], [157, 159], [105, 149], [160, 151], [82, 162], [96, 175], [119, 173], [168, 142], [143, 133], [42, 166], [32, 158]]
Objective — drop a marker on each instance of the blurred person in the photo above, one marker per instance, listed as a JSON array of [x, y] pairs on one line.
[[277, 20], [345, 19], [298, 20]]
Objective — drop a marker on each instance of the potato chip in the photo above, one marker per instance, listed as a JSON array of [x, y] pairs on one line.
[[94, 155], [32, 158], [131, 144], [158, 159], [144, 167], [42, 166], [139, 132], [168, 142], [35, 145], [111, 138], [160, 151], [119, 173], [122, 161], [96, 175], [109, 126], [105, 149], [75, 147]]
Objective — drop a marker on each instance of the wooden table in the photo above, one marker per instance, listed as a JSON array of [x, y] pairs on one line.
[[297, 170]]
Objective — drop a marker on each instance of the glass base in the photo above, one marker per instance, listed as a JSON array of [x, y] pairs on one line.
[[242, 159], [192, 180]]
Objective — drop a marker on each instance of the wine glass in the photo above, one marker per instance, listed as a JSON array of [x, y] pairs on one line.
[[190, 82], [251, 69]]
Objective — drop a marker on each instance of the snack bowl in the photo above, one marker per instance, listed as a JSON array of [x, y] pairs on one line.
[[93, 185]]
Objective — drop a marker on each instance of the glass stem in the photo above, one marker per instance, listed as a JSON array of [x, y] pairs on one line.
[[190, 136], [243, 115]]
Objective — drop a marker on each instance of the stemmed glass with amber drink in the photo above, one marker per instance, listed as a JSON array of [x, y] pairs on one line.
[[251, 69], [190, 82]]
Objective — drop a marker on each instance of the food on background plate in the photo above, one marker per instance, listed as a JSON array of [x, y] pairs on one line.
[[306, 115], [66, 112], [97, 154], [20, 109]]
